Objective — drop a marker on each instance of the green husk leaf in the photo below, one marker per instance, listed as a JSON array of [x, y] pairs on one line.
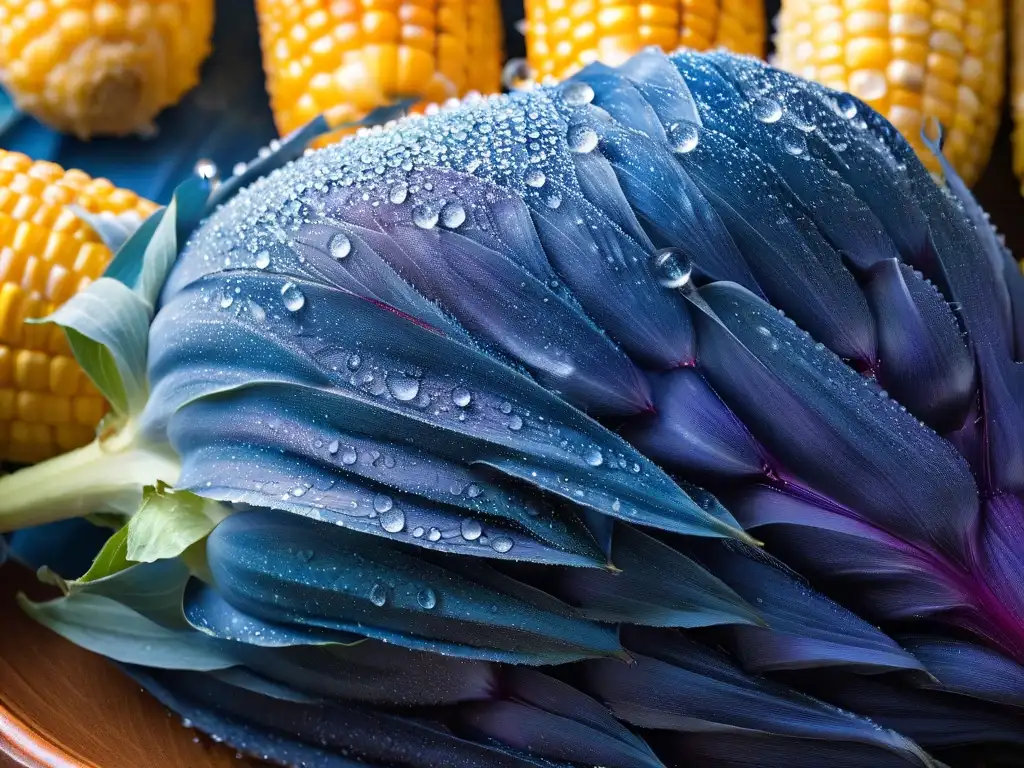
[[169, 522], [113, 558], [181, 216], [105, 626], [107, 326]]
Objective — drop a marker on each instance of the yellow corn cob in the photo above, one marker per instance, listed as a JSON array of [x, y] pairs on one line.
[[102, 67], [563, 36], [1017, 89], [912, 60], [47, 404], [343, 58]]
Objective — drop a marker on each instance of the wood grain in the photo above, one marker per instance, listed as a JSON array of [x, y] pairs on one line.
[[63, 707]]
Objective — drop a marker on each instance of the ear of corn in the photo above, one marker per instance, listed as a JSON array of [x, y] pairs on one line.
[[346, 57], [47, 405], [912, 60], [563, 36], [98, 67]]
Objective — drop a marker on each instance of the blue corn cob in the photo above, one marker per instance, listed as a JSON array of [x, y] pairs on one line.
[[497, 399]]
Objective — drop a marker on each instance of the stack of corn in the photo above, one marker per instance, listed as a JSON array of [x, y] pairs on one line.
[[47, 405], [563, 36], [102, 67], [912, 60], [343, 58]]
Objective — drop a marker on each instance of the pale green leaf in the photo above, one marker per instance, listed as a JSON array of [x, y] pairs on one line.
[[104, 626], [169, 522], [107, 326]]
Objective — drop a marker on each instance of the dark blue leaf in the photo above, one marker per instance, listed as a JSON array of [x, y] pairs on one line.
[[835, 434], [678, 685], [849, 148], [887, 578], [799, 272], [325, 576], [805, 630], [656, 586], [67, 547], [673, 208], [512, 424], [655, 76], [934, 719], [306, 460], [969, 669], [545, 717], [206, 611], [609, 265], [313, 735], [691, 431], [923, 361], [778, 136]]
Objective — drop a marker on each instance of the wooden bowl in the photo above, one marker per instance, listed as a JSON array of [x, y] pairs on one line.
[[63, 707]]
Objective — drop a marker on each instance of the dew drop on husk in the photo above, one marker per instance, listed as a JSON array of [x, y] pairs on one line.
[[672, 267]]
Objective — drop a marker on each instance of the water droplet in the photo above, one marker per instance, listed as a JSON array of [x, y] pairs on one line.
[[427, 598], [293, 298], [672, 267], [473, 490], [553, 201], [581, 138], [516, 74], [392, 520], [340, 246], [382, 502], [845, 106], [333, 447], [577, 94], [505, 407], [206, 169], [434, 534], [501, 544], [417, 532], [453, 215], [767, 110], [515, 423], [379, 595], [534, 177], [398, 193], [594, 457], [298, 491], [461, 397], [354, 361], [403, 388], [471, 529], [683, 137], [263, 259], [793, 141], [424, 216], [226, 301], [348, 458]]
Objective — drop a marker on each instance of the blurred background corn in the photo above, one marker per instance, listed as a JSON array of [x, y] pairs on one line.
[[911, 60], [343, 58], [47, 404], [562, 36], [102, 67]]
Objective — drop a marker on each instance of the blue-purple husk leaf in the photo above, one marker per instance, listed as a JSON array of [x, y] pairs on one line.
[[328, 577]]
